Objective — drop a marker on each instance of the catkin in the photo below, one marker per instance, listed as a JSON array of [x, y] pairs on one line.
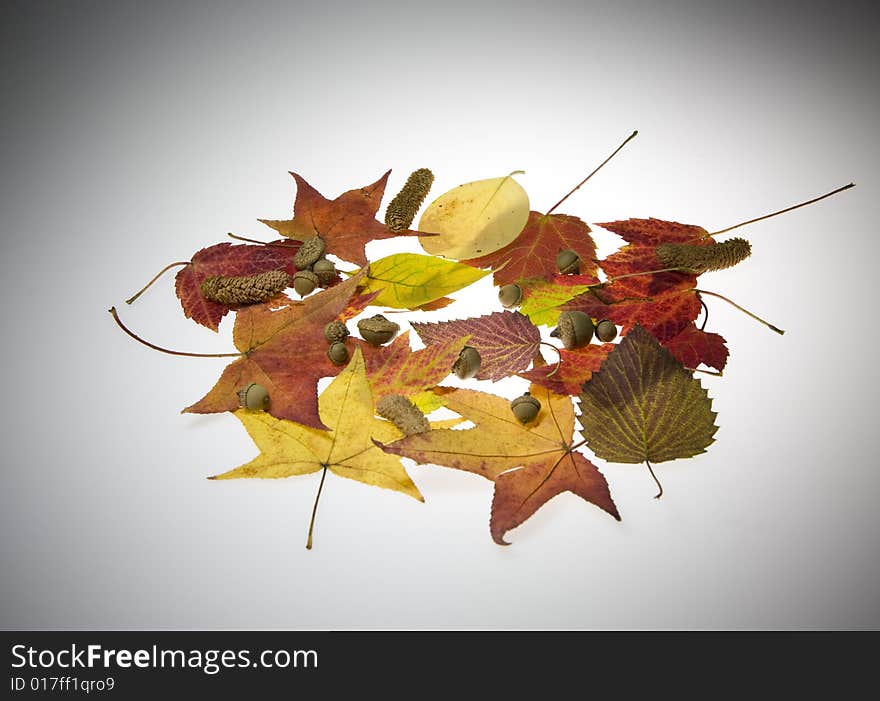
[[402, 209], [700, 259], [244, 290], [403, 413]]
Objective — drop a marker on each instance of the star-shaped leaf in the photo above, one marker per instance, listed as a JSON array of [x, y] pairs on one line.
[[530, 464], [506, 341], [346, 224]]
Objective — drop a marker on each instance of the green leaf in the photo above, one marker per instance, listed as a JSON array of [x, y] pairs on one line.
[[409, 280], [542, 299], [643, 405]]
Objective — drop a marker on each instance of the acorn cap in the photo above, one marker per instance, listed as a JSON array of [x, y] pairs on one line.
[[253, 396], [325, 270], [568, 262], [336, 331], [606, 331], [310, 251], [338, 353], [377, 330], [574, 329], [510, 296], [305, 282], [467, 364], [525, 407]]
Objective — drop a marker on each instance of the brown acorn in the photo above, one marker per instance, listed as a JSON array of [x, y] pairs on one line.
[[574, 329], [606, 331], [336, 331], [568, 262], [467, 364], [310, 251], [525, 408], [377, 330], [325, 270], [305, 282], [253, 396], [338, 353], [510, 296]]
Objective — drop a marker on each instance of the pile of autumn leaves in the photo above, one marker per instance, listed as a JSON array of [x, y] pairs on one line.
[[637, 399]]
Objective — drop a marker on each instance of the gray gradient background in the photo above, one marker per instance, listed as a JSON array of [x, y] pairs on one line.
[[134, 133]]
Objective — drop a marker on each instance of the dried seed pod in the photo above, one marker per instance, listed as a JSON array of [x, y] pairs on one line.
[[310, 251], [377, 330], [525, 408], [510, 296], [574, 329], [325, 270], [467, 364], [700, 259], [305, 282], [606, 331], [253, 396], [402, 209], [568, 262], [338, 353], [403, 413], [244, 290], [336, 331]]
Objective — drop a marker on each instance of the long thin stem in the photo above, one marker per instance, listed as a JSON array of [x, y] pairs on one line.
[[705, 315], [137, 338], [708, 372], [743, 310], [647, 272], [576, 187], [783, 211], [315, 508], [155, 277], [660, 486], [577, 445], [284, 244], [558, 358]]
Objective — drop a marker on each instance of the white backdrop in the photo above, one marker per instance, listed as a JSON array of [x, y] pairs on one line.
[[133, 136]]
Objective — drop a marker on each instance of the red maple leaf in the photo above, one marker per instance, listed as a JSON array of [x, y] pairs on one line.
[[346, 224], [693, 346], [653, 232], [533, 252], [575, 367], [229, 260]]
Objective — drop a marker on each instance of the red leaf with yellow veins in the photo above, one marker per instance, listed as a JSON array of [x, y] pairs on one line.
[[395, 369], [653, 232], [693, 346], [533, 252], [346, 224], [529, 463], [228, 260], [284, 350], [506, 341], [575, 367]]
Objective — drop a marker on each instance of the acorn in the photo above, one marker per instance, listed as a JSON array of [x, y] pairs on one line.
[[403, 413], [309, 253], [325, 270], [338, 353], [336, 331], [467, 364], [568, 262], [305, 282], [377, 330], [253, 396], [575, 329], [525, 408], [606, 331], [510, 296]]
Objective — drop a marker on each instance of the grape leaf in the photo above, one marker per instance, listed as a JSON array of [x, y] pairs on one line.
[[346, 224], [412, 280], [284, 350], [693, 346], [542, 298], [575, 367], [533, 252], [643, 405], [506, 341], [530, 464], [229, 260]]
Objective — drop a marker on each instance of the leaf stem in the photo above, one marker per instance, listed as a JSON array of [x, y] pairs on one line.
[[155, 277], [577, 445], [651, 470], [708, 372], [706, 310], [283, 244], [783, 211], [315, 508], [558, 358], [743, 310], [576, 187], [648, 272], [137, 338]]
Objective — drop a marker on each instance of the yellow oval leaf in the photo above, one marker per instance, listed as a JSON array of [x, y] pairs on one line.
[[409, 280], [476, 218]]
